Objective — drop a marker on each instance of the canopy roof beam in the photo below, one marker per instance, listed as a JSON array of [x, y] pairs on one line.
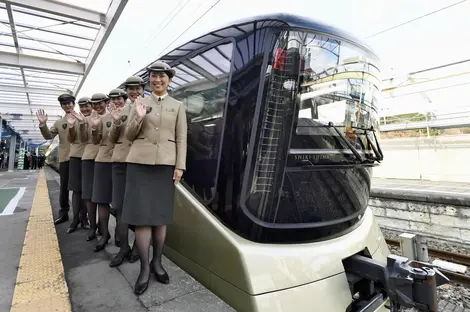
[[33, 90], [61, 9], [41, 63]]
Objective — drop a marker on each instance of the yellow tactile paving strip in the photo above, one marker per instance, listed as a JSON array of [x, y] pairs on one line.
[[40, 283]]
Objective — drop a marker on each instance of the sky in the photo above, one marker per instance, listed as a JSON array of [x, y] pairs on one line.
[[144, 32]]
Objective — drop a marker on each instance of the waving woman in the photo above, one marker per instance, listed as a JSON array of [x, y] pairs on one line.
[[155, 163]]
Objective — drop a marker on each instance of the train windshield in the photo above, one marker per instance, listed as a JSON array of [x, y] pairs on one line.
[[316, 140]]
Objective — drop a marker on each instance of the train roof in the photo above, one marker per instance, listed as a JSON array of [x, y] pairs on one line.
[[245, 26]]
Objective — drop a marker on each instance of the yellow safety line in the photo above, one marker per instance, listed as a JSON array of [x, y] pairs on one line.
[[40, 283]]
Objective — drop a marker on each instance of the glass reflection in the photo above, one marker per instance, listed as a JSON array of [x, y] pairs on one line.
[[204, 101]]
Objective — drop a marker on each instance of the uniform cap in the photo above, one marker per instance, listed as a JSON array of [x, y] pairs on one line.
[[98, 97], [83, 100], [65, 98], [162, 67], [117, 93], [134, 81]]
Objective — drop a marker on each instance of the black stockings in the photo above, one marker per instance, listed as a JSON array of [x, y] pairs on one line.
[[77, 204], [122, 232], [91, 207], [103, 211], [143, 236], [158, 238]]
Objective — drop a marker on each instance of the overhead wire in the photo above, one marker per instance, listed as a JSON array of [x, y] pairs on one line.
[[192, 24], [170, 20], [417, 18]]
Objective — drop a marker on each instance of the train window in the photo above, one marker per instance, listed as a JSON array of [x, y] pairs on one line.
[[320, 99], [204, 99]]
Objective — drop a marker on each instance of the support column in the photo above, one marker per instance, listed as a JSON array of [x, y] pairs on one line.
[[11, 162]]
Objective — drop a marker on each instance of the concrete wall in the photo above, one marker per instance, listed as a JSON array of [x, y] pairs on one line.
[[441, 221], [443, 158]]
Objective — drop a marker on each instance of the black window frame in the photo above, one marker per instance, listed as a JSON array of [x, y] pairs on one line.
[[251, 149], [189, 56]]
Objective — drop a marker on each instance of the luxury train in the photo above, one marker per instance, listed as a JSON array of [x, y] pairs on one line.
[[282, 137]]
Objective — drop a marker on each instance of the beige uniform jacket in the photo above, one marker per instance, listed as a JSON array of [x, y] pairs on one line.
[[117, 135], [160, 137], [59, 128], [91, 150], [76, 147], [101, 138]]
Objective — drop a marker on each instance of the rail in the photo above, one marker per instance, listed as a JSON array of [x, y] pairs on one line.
[[447, 256]]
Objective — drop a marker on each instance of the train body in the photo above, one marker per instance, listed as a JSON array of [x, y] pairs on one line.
[[282, 115]]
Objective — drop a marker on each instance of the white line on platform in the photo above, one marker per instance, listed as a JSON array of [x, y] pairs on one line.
[[13, 202], [421, 191], [421, 185]]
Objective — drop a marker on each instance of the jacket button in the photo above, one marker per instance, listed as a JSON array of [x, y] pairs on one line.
[[156, 128]]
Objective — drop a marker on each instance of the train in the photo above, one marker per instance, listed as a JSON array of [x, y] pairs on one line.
[[272, 212]]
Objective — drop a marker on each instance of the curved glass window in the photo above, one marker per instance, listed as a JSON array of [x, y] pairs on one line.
[[203, 89], [311, 159]]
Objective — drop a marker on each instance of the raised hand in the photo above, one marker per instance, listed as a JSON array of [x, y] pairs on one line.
[[115, 112], [78, 116], [71, 120], [140, 108], [42, 117], [95, 119]]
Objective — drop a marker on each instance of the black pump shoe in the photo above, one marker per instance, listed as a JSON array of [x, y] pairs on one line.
[[91, 235], [134, 255], [84, 224], [140, 288], [73, 226], [119, 258], [161, 278], [62, 219], [100, 245], [71, 229]]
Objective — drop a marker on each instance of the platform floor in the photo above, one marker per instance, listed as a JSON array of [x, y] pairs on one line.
[[92, 284], [14, 215], [423, 186], [95, 287]]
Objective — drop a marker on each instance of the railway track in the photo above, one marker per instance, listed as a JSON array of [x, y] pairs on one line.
[[447, 256]]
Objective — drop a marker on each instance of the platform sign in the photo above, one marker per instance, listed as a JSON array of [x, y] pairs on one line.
[[21, 159]]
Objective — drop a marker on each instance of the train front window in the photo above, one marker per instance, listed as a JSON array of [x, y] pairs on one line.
[[316, 138]]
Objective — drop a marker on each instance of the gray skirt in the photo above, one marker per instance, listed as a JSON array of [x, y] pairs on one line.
[[88, 170], [75, 174], [119, 184], [102, 183], [149, 196]]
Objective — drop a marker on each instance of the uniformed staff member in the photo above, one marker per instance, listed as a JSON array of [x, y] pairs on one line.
[[67, 102], [75, 168], [155, 163], [88, 163], [134, 88], [102, 181]]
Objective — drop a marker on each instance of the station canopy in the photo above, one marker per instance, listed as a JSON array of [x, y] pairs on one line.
[[48, 48]]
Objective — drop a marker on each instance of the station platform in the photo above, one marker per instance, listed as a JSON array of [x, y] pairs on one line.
[[442, 192], [43, 267], [85, 281]]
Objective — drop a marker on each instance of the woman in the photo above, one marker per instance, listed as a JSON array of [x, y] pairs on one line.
[[88, 160], [75, 166], [102, 178], [155, 164], [134, 88]]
